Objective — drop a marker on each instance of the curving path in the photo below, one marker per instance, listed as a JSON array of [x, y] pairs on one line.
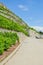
[[30, 53]]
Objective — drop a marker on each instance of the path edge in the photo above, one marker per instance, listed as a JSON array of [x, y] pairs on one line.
[[11, 55]]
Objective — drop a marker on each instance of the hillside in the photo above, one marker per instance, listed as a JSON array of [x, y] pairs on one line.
[[10, 21], [12, 29], [4, 11]]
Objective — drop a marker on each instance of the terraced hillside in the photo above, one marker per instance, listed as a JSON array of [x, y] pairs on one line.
[[10, 22], [10, 25]]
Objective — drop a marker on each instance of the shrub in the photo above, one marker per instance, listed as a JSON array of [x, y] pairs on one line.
[[1, 47], [7, 39], [7, 43]]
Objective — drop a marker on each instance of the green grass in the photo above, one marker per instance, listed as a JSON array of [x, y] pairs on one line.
[[11, 25], [7, 40]]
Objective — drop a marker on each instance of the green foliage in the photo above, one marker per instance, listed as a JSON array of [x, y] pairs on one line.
[[7, 43], [33, 29], [11, 25], [7, 39], [1, 47], [40, 32]]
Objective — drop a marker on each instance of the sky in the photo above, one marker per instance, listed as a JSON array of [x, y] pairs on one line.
[[31, 11]]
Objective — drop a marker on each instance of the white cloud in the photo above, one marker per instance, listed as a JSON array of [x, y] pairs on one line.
[[22, 7], [38, 28]]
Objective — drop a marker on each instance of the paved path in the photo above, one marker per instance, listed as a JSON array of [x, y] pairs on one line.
[[30, 53]]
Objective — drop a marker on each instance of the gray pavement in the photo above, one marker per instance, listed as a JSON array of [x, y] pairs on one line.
[[30, 53]]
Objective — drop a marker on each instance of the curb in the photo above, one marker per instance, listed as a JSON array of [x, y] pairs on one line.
[[10, 56]]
